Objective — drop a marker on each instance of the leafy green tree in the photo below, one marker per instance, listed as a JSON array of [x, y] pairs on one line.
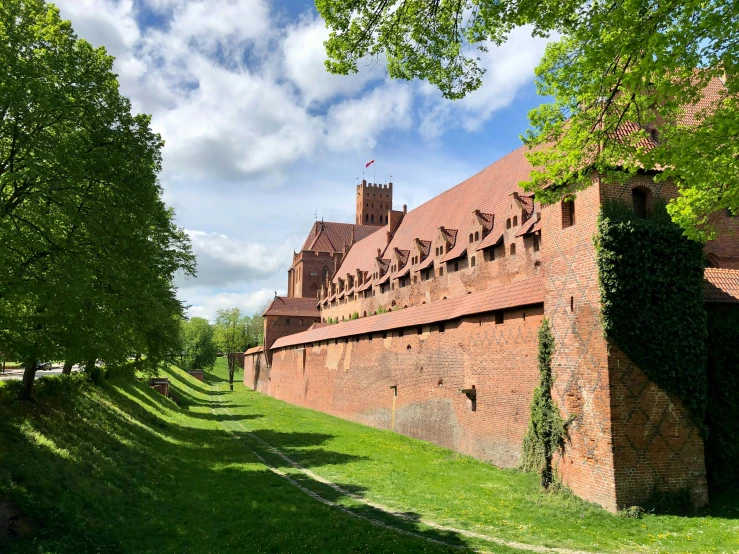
[[231, 336], [199, 350], [89, 248], [618, 71]]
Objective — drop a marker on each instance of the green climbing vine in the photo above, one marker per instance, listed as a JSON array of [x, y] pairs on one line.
[[651, 281], [547, 430]]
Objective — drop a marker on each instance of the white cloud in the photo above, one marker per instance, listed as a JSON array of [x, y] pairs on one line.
[[303, 56], [508, 68], [204, 303], [224, 261]]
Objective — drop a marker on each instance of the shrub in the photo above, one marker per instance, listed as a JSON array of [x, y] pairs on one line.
[[547, 431]]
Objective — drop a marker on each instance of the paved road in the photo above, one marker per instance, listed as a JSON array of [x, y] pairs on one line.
[[18, 373]]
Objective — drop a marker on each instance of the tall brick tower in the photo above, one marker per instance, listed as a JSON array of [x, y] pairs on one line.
[[374, 201]]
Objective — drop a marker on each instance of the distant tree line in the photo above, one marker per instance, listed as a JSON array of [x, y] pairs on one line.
[[232, 333], [88, 249]]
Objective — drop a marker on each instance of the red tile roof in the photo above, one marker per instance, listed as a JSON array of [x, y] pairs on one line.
[[289, 306], [254, 350], [335, 235], [528, 227], [488, 191], [491, 240], [721, 285], [519, 293]]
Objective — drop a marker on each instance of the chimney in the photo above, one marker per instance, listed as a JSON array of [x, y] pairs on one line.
[[379, 252], [405, 209]]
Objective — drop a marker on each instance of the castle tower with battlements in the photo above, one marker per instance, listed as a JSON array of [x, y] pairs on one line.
[[374, 201]]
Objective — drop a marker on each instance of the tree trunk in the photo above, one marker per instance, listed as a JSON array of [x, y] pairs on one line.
[[90, 366], [29, 375], [546, 474], [230, 370], [67, 369]]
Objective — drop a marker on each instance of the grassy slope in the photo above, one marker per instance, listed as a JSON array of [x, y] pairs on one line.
[[121, 469]]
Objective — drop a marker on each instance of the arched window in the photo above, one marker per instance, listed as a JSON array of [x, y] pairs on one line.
[[513, 249], [508, 223], [471, 236], [515, 220], [372, 217], [639, 197], [477, 235], [324, 273], [472, 261], [366, 217]]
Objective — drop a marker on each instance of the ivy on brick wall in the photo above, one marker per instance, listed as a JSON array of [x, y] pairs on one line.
[[651, 280], [722, 417], [547, 431]]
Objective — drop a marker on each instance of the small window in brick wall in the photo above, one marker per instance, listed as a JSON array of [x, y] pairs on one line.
[[477, 235], [639, 197], [508, 223], [515, 221], [513, 249], [536, 243], [472, 261], [471, 237], [568, 212]]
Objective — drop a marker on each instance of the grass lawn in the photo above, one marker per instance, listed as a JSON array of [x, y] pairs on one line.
[[122, 469]]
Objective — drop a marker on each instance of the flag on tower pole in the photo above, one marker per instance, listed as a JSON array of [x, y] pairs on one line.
[[369, 164]]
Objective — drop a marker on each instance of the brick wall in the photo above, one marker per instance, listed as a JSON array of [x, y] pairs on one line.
[[580, 363], [280, 326], [628, 438], [306, 276], [256, 372], [352, 380]]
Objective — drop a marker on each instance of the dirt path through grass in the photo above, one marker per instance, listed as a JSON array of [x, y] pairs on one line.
[[229, 425]]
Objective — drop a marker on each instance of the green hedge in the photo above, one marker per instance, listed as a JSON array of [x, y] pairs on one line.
[[651, 280], [722, 418]]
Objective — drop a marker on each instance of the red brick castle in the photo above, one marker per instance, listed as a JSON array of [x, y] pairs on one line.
[[425, 322]]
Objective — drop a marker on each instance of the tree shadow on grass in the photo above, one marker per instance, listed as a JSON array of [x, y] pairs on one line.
[[122, 479]]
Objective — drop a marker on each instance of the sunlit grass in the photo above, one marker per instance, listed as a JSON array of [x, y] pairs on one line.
[[122, 469]]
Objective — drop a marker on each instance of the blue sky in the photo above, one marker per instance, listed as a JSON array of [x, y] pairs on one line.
[[259, 138]]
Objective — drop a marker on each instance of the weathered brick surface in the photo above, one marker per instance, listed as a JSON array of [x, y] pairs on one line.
[[256, 372], [352, 380], [627, 437]]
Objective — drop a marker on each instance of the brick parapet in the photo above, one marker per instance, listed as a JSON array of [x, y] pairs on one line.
[[351, 378]]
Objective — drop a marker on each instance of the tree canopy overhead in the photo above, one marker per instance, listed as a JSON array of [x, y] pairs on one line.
[[622, 75]]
